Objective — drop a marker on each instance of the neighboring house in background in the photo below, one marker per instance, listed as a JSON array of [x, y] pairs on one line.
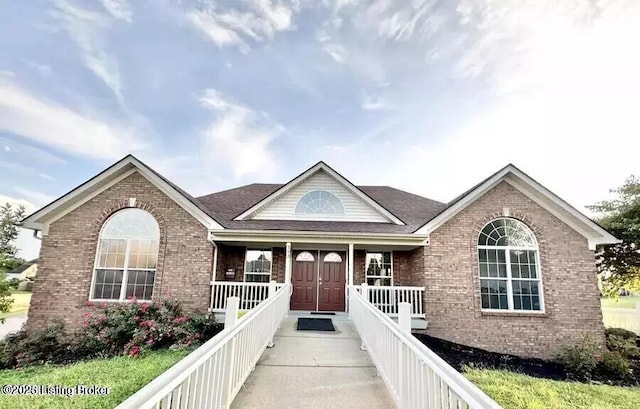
[[26, 270], [507, 266]]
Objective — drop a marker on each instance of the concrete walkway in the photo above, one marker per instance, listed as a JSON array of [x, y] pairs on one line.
[[308, 369]]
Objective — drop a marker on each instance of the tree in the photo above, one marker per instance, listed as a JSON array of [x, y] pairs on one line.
[[619, 264], [9, 221], [10, 218]]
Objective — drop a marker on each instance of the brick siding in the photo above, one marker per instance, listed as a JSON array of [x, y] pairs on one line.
[[450, 274], [61, 288]]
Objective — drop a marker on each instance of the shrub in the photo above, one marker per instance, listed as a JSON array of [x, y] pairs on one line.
[[133, 327], [622, 341], [13, 283], [622, 333], [109, 330], [614, 365], [39, 346], [579, 359]]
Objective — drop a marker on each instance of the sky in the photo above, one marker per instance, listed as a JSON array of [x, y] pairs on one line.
[[426, 96]]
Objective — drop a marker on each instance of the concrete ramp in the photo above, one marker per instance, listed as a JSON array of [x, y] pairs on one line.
[[308, 369]]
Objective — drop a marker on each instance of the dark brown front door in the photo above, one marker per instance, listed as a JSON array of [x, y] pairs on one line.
[[318, 280], [304, 279], [332, 281]]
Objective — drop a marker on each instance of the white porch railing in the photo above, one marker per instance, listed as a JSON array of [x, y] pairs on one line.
[[415, 376], [211, 376], [250, 294], [387, 298]]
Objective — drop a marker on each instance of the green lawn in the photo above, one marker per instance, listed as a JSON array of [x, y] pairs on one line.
[[21, 301], [516, 391], [620, 302], [122, 375]]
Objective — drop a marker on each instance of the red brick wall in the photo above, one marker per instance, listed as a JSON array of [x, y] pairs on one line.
[[403, 267], [568, 271], [67, 255], [233, 257]]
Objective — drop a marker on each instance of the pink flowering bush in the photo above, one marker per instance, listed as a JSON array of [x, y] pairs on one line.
[[110, 329], [134, 327]]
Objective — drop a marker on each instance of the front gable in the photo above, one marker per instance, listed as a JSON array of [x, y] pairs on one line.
[[320, 194], [551, 203]]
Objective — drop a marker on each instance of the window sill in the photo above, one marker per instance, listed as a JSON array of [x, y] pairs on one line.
[[527, 314], [107, 301]]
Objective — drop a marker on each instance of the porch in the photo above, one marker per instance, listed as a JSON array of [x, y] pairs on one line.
[[319, 270]]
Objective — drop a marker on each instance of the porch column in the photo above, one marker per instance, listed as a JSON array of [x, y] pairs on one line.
[[287, 264], [351, 262]]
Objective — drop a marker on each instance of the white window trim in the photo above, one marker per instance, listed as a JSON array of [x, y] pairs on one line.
[[343, 213], [509, 279], [244, 276], [367, 276], [125, 273]]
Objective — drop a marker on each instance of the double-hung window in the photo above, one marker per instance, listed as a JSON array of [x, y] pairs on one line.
[[509, 267], [126, 257], [379, 268], [258, 266]]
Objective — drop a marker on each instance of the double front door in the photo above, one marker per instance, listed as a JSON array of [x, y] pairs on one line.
[[318, 280]]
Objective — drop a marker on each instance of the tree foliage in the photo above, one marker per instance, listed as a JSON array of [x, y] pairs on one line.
[[10, 217], [619, 264]]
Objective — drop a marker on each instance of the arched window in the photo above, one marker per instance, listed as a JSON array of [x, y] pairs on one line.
[[319, 202], [305, 256], [509, 267], [332, 257], [126, 257]]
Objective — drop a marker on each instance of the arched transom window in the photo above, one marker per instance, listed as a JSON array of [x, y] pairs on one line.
[[509, 267], [126, 257], [319, 202]]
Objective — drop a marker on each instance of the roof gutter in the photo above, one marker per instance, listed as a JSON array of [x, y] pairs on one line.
[[280, 236]]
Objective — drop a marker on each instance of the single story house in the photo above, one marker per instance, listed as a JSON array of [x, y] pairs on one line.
[[27, 270], [507, 266]]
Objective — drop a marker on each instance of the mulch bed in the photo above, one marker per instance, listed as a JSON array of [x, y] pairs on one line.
[[461, 356]]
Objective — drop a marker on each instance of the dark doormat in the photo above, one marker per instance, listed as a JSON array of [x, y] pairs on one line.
[[315, 324], [322, 313]]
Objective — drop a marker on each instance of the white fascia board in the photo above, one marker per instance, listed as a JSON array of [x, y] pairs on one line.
[[128, 166], [596, 236], [278, 236], [320, 166]]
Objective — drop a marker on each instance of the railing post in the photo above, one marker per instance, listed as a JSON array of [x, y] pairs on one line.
[[404, 317], [272, 293], [365, 293], [231, 314], [230, 320]]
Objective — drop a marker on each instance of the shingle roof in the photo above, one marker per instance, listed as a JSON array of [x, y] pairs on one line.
[[414, 210]]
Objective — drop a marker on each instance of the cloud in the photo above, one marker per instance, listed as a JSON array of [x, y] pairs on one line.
[[120, 9], [58, 127], [239, 137], [29, 153], [23, 170], [336, 51], [86, 29], [257, 21], [38, 198]]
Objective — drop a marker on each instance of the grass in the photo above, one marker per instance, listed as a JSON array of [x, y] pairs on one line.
[[517, 391], [21, 301], [122, 375], [620, 302]]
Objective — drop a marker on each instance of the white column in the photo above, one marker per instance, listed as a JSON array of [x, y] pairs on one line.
[[351, 262], [287, 264]]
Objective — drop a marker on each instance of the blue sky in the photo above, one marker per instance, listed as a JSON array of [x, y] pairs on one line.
[[428, 96]]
